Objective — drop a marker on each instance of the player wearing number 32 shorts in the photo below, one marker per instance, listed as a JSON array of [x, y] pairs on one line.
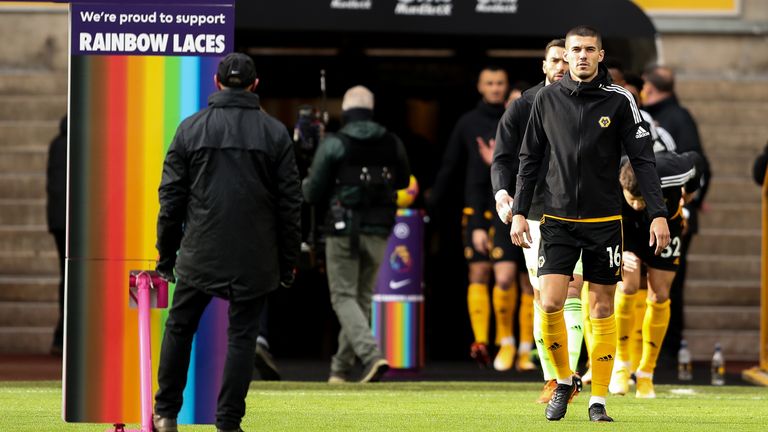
[[680, 176]]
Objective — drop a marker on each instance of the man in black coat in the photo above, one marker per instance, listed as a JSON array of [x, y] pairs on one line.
[[660, 101], [230, 205], [56, 187]]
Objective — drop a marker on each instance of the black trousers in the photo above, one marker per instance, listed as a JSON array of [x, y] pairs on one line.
[[58, 334], [183, 319]]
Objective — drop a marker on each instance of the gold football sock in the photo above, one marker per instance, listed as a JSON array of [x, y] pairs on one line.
[[603, 353], [654, 328], [526, 319], [586, 324], [479, 303], [636, 337], [574, 327], [625, 320], [504, 305], [556, 342], [546, 363]]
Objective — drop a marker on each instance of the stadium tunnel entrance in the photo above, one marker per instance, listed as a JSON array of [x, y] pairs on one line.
[[423, 71]]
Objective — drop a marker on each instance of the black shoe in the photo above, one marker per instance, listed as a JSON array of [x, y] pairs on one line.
[[558, 405], [229, 430], [265, 364], [374, 370], [597, 413], [164, 424]]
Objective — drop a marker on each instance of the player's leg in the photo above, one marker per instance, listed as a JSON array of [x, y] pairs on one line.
[[558, 254], [574, 320], [626, 295], [601, 256], [478, 299], [525, 320], [531, 262], [505, 257], [655, 326], [479, 305]]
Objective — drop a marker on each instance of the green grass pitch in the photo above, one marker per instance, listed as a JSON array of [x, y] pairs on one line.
[[431, 406]]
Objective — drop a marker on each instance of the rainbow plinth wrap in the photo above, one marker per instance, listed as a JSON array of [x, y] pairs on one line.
[[397, 317]]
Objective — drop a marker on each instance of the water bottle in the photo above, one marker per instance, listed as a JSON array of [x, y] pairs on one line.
[[718, 366], [684, 369]]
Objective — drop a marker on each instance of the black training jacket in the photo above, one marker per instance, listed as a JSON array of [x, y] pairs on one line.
[[230, 199], [676, 171], [462, 151], [509, 138], [585, 125]]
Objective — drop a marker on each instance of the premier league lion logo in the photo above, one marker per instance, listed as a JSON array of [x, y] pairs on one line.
[[400, 259]]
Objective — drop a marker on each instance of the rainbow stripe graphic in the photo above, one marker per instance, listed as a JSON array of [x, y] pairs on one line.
[[398, 326], [123, 114]]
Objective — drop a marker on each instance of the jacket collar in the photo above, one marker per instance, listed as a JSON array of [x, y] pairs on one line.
[[530, 94], [661, 105], [490, 110], [234, 98], [575, 88]]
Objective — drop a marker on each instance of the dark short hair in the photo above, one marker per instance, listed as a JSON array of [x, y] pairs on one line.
[[554, 43], [664, 82], [521, 86], [586, 31], [236, 70], [491, 68], [628, 180]]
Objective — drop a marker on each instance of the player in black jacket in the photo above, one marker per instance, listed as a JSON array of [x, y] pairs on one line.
[[503, 176], [585, 121], [469, 144], [680, 176]]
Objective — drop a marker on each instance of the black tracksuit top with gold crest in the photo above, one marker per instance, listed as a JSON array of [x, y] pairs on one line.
[[584, 126]]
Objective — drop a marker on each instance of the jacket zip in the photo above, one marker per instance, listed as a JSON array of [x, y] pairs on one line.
[[578, 152]]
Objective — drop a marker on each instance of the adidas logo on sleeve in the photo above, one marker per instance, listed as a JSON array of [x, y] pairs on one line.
[[641, 133]]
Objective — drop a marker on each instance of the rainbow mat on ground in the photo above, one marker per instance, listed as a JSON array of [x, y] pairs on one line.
[[124, 111]]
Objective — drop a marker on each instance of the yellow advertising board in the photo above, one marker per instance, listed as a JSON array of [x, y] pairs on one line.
[[690, 7]]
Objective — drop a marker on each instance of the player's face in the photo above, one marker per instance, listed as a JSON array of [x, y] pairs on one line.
[[493, 85], [583, 55], [637, 203], [554, 65]]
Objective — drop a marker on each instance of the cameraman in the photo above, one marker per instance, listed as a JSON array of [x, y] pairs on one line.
[[356, 173]]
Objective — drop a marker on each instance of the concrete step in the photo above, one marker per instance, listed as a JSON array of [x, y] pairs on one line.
[[22, 212], [722, 317], [25, 238], [33, 107], [731, 242], [31, 82], [725, 215], [732, 162], [729, 292], [28, 314], [738, 345], [27, 134], [25, 340], [29, 263], [733, 190], [728, 113], [29, 288], [741, 137], [719, 267], [724, 90], [33, 159], [22, 185]]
